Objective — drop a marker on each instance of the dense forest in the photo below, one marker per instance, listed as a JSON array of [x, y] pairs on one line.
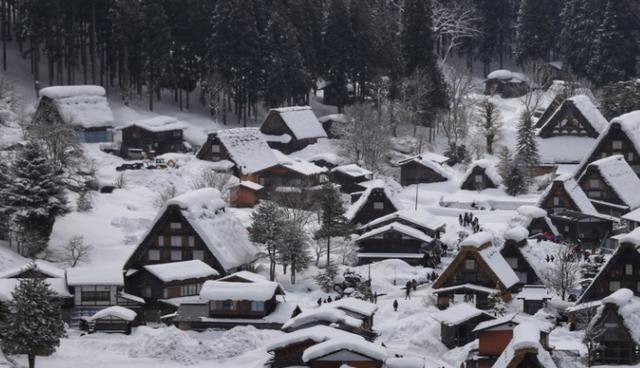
[[236, 54]]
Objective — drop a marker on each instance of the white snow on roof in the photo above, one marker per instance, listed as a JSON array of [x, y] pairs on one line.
[[37, 265], [632, 216], [355, 207], [405, 362], [499, 266], [477, 239], [458, 313], [434, 165], [177, 271], [246, 275], [251, 185], [227, 290], [482, 289], [329, 157], [302, 121], [340, 118], [617, 173], [157, 124], [628, 308], [401, 228], [590, 112], [352, 170], [316, 334], [83, 276], [114, 311], [421, 218], [222, 232], [515, 318], [525, 336], [248, 149], [489, 170], [517, 234], [500, 74], [56, 285], [575, 192], [354, 305], [564, 149], [298, 165], [85, 106], [534, 292], [324, 313], [531, 211], [363, 347]]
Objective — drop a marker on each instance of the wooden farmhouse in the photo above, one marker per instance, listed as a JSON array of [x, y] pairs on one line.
[[482, 174], [338, 353], [357, 308], [457, 323], [611, 185], [411, 236], [151, 137], [525, 350], [376, 201], [622, 270], [564, 193], [550, 110], [536, 221], [332, 124], [570, 132], [85, 108], [334, 316], [632, 219], [34, 269], [506, 83], [590, 230], [115, 319], [349, 176], [245, 194], [516, 239], [288, 349], [238, 300], [96, 288], [495, 335], [618, 340], [425, 168], [290, 129], [621, 137], [245, 148], [534, 298], [195, 226], [477, 271]]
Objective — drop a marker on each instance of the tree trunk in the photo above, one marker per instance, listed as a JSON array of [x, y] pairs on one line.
[[32, 360], [328, 252], [150, 95]]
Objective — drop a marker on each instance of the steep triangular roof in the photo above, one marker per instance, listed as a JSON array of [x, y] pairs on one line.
[[489, 170], [428, 163], [551, 109], [377, 184], [247, 148], [301, 120], [620, 177], [627, 306], [578, 110], [525, 340], [85, 106], [575, 193]]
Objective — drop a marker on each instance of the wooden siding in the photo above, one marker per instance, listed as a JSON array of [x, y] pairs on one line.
[[242, 197], [606, 149], [290, 355], [494, 342], [615, 273], [568, 121], [472, 184], [597, 189], [564, 202], [274, 125], [348, 184], [523, 269], [414, 173], [241, 309], [368, 213], [616, 346], [152, 143], [462, 334]]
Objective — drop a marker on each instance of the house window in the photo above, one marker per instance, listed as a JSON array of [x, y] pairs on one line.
[[95, 296], [146, 292], [630, 156], [628, 269], [594, 194], [191, 241], [165, 293], [297, 182], [176, 226], [154, 255], [187, 290], [478, 179], [378, 206], [215, 148], [176, 241], [228, 305], [616, 145], [160, 241], [594, 184], [556, 201], [257, 306], [198, 254], [470, 264], [614, 285], [177, 133], [512, 261], [176, 255]]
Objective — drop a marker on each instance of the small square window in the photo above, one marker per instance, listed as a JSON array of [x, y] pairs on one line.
[[191, 241], [176, 226], [215, 148], [176, 241], [470, 264], [176, 255], [257, 306], [154, 255], [630, 156], [198, 254], [594, 184], [628, 269], [614, 285], [478, 179], [556, 201], [160, 240], [616, 145], [378, 205]]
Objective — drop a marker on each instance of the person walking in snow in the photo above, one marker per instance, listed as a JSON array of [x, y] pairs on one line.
[[407, 288], [414, 284], [319, 302], [460, 219], [395, 305], [375, 297], [329, 300]]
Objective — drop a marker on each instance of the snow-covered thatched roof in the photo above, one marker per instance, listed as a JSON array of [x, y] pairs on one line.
[[84, 106], [628, 306], [431, 161], [459, 313], [316, 334], [489, 170], [228, 290], [157, 124], [302, 122], [526, 339], [43, 267], [617, 173], [86, 276], [352, 170], [298, 165], [422, 218], [326, 314], [482, 241], [247, 148], [574, 191], [355, 305], [358, 346], [355, 207], [178, 271]]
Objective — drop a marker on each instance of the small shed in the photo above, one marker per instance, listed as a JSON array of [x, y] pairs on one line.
[[245, 194], [114, 319], [494, 335], [357, 308], [506, 83], [376, 201], [423, 169], [292, 128], [534, 298], [332, 124], [340, 352], [348, 177], [482, 174], [457, 323], [151, 137], [397, 241]]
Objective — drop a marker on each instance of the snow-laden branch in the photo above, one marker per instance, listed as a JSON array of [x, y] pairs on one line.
[[453, 23]]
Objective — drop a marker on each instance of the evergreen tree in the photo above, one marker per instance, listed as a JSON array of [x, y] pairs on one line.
[[497, 304], [504, 162], [579, 19], [364, 33], [33, 198], [536, 29], [332, 221], [526, 146], [615, 51], [266, 229], [34, 326], [293, 247], [515, 181], [620, 98], [156, 39], [338, 46]]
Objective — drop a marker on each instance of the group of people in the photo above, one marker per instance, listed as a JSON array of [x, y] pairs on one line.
[[469, 220]]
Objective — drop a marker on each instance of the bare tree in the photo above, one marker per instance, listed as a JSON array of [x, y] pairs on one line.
[[454, 22], [416, 92], [592, 334], [121, 181], [319, 249], [366, 136], [489, 123], [457, 119], [76, 251], [166, 193], [563, 273], [59, 139], [537, 77], [212, 179]]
